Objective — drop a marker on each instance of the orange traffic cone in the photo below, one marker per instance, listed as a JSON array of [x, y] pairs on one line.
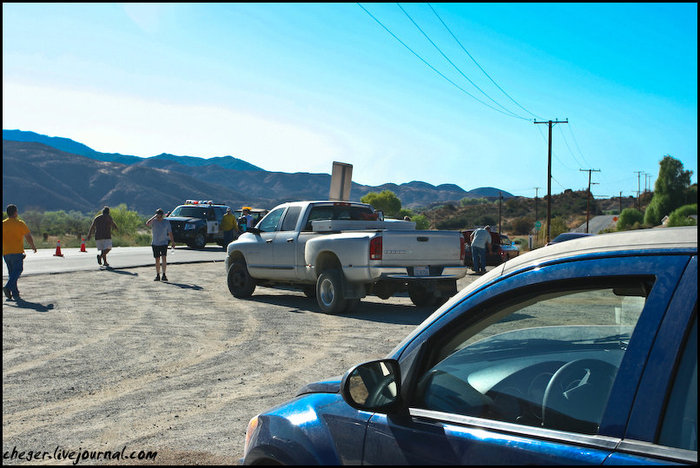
[[82, 245], [58, 249]]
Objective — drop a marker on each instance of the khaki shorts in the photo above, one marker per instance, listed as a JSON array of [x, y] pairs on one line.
[[103, 244]]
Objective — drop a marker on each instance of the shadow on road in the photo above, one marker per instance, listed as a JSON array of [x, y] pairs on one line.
[[184, 286], [365, 310], [120, 272], [22, 304], [210, 248]]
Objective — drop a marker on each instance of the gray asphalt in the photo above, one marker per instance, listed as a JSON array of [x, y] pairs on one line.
[[44, 261]]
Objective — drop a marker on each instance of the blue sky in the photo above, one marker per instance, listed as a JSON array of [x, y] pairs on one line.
[[294, 87]]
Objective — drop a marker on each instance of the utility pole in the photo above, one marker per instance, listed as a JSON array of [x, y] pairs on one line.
[[620, 212], [500, 200], [639, 203], [549, 174], [536, 190], [588, 197]]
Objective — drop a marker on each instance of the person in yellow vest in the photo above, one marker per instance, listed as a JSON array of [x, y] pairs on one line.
[[229, 226], [14, 232]]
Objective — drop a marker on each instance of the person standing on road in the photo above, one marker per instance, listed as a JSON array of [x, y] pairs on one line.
[[161, 232], [229, 226], [481, 243], [102, 227], [14, 231]]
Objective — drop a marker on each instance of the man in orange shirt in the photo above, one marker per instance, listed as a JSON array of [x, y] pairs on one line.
[[14, 231]]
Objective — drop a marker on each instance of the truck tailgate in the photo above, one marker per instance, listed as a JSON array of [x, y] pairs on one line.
[[418, 248]]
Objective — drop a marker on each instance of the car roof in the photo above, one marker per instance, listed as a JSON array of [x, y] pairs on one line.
[[684, 238], [564, 235]]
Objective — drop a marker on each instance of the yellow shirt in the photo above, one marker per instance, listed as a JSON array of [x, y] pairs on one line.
[[13, 232], [228, 222]]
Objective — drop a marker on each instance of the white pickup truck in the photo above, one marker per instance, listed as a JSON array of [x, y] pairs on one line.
[[340, 252]]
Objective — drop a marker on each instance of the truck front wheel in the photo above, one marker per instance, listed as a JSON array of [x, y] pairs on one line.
[[329, 292], [240, 283], [200, 240]]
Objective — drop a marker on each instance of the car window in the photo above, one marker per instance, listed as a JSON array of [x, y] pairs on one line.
[[291, 218], [540, 358], [269, 223], [680, 423], [344, 212]]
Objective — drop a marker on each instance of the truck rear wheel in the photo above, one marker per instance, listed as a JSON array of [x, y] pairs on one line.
[[240, 283], [420, 296], [329, 292]]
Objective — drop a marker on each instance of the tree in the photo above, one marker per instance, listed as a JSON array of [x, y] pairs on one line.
[[387, 201], [670, 190], [127, 221], [629, 218], [422, 223], [523, 225]]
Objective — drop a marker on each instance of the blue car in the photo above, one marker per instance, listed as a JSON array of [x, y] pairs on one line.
[[581, 353]]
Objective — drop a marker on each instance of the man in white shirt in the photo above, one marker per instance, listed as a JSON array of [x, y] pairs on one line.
[[480, 243]]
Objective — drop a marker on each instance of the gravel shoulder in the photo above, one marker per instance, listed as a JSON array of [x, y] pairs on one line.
[[101, 360]]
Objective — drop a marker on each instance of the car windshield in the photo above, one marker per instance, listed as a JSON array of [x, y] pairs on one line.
[[190, 212]]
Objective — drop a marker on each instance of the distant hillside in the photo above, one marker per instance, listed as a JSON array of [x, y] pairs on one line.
[[70, 146], [225, 179], [37, 176]]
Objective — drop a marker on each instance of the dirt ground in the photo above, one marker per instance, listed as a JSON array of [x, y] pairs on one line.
[[112, 361]]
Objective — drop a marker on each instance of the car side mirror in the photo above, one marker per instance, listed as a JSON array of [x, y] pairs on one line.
[[253, 230], [373, 386]]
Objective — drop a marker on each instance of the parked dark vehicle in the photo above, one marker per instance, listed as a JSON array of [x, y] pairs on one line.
[[582, 353], [502, 249], [567, 236], [197, 223]]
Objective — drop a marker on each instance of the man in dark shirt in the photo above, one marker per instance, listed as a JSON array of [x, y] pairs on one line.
[[102, 227]]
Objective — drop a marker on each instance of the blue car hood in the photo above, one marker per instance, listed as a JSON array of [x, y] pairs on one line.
[[331, 385]]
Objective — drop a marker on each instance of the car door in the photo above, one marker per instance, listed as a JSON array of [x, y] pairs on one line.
[[538, 368], [285, 245], [212, 221], [663, 425], [260, 257]]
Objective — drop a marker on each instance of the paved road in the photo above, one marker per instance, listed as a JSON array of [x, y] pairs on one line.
[[44, 261], [597, 224]]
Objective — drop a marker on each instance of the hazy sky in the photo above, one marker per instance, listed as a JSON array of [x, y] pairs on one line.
[[442, 93]]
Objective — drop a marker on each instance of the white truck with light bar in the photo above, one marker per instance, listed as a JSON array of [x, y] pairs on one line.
[[340, 252]]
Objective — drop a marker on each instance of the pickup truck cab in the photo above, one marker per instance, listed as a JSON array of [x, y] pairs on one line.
[[340, 252]]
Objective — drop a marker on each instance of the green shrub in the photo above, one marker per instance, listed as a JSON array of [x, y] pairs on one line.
[[681, 216], [629, 218]]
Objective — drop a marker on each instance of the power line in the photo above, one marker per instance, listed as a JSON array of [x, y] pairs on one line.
[[455, 66], [569, 148], [477, 64], [577, 147], [430, 66]]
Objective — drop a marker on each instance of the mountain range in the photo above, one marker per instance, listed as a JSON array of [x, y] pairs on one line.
[[55, 173]]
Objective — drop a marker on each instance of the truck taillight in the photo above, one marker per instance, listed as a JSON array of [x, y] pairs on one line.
[[375, 248], [462, 248]]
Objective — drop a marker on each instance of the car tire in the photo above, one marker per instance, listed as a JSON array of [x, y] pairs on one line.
[[240, 284], [420, 296], [200, 240], [329, 292]]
